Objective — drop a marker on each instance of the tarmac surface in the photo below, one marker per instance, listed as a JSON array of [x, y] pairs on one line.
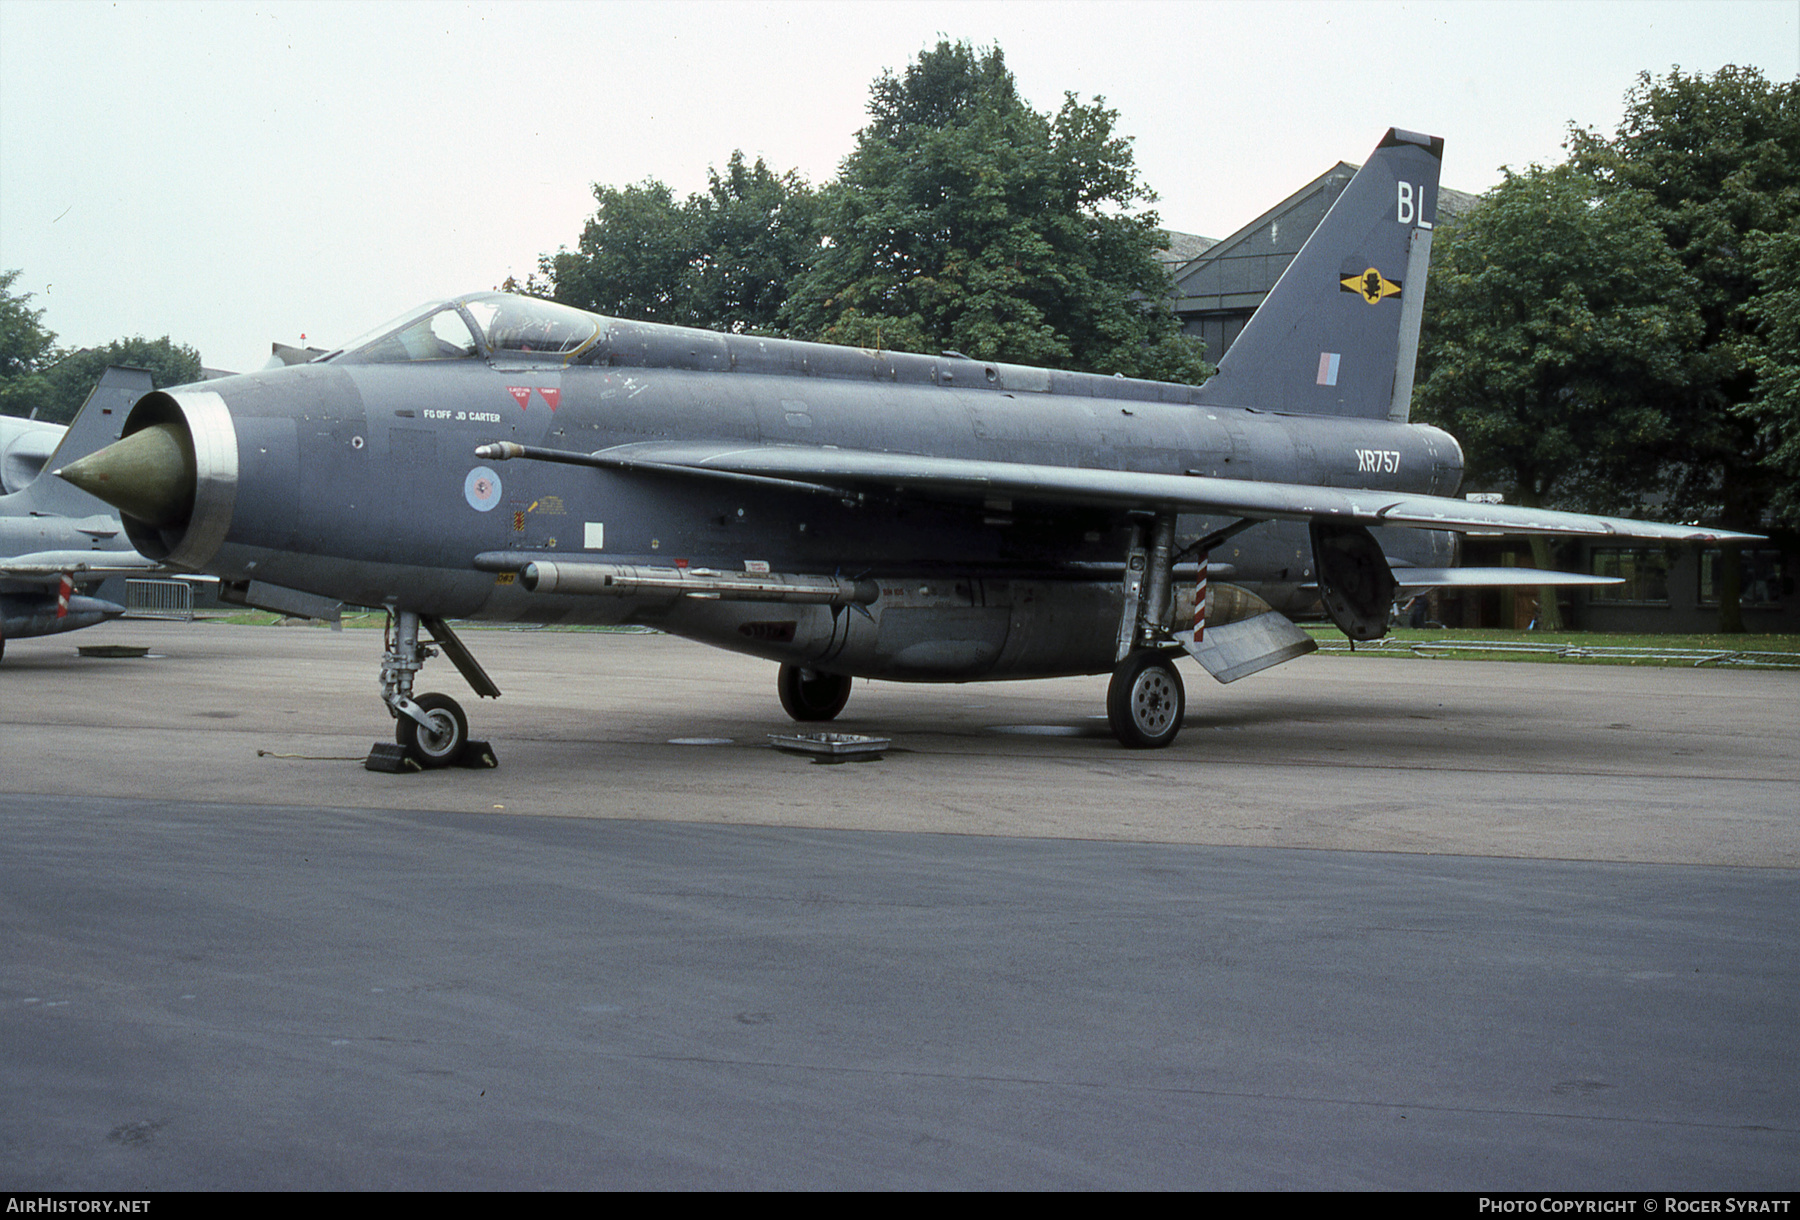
[[1369, 923]]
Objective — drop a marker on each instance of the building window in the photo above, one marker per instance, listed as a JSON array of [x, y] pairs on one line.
[[1763, 579], [1645, 571]]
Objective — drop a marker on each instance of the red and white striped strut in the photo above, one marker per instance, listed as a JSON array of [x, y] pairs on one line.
[[64, 590], [1202, 599]]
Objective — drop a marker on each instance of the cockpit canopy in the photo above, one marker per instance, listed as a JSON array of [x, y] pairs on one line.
[[485, 324]]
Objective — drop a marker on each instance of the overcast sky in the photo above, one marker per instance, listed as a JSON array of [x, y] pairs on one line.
[[234, 173]]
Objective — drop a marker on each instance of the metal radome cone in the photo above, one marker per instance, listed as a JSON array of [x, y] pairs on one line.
[[148, 476]]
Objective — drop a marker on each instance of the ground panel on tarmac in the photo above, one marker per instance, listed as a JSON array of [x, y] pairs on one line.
[[1367, 924]]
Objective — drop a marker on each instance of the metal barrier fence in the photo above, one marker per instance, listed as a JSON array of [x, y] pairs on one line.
[[172, 599]]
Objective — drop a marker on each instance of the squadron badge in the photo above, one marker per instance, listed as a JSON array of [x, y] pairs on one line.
[[1371, 285]]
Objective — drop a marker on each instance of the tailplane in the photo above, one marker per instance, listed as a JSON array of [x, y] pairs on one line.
[[1338, 333]]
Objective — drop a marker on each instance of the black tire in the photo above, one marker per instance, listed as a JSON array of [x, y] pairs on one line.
[[1146, 701], [443, 744], [811, 694]]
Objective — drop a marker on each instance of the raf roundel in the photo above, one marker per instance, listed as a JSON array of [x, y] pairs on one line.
[[482, 489]]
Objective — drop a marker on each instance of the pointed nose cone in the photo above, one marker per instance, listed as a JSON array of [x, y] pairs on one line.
[[148, 475]]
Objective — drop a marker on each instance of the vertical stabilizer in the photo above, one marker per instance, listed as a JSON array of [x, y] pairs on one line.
[[1338, 334], [95, 426]]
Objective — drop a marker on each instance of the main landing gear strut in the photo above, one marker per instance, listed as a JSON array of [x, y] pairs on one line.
[[430, 730], [1146, 700]]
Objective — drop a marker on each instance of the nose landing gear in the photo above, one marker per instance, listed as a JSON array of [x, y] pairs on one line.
[[430, 731]]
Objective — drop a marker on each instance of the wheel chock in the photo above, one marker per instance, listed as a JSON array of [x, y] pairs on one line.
[[393, 758], [389, 756], [478, 755]]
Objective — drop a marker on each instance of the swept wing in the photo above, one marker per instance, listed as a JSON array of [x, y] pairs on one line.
[[853, 472]]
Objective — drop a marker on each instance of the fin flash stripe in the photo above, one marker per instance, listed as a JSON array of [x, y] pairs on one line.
[[1371, 285]]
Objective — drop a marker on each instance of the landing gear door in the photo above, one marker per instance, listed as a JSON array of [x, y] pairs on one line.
[[1355, 583]]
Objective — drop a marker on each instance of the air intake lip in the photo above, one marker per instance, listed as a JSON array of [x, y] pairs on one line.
[[172, 475]]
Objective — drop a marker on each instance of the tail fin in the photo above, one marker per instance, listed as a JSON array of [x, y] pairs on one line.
[[1338, 333], [95, 426]]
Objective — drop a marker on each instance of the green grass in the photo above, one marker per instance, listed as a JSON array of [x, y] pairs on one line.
[[1401, 640], [265, 618]]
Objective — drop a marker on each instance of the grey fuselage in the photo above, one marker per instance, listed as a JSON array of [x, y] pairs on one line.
[[358, 482]]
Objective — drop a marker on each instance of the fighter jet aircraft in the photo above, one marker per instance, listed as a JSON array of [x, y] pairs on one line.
[[842, 512], [55, 539]]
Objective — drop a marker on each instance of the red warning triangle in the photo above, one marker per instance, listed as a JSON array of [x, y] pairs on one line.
[[552, 395], [521, 394]]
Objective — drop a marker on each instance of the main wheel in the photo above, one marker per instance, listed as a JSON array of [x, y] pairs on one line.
[[1145, 701], [811, 694], [443, 743]]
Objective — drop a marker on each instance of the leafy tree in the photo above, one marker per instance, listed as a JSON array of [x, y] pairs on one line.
[[966, 220], [631, 257], [723, 259], [25, 348], [1554, 344], [1773, 352], [1554, 340], [754, 231], [75, 375], [963, 220], [1717, 160], [35, 376]]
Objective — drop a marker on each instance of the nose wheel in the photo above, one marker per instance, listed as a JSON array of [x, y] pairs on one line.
[[441, 740]]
